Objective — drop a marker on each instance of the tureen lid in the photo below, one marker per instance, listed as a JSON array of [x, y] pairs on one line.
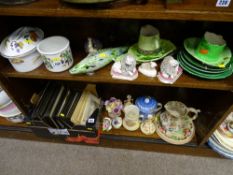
[[146, 104], [21, 42]]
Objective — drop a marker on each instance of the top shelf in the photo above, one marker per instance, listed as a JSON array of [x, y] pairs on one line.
[[152, 10]]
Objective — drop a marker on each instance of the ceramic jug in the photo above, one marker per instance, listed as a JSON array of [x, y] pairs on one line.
[[177, 116]]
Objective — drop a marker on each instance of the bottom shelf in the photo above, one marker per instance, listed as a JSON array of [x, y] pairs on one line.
[[120, 144]]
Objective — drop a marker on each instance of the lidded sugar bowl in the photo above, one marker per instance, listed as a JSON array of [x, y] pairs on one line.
[[148, 106]]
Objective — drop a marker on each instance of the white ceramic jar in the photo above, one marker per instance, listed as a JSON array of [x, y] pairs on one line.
[[20, 48], [56, 53]]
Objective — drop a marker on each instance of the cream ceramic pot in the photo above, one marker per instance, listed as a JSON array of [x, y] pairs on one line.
[[56, 53]]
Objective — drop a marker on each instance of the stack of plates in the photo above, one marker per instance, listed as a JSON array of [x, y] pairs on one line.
[[204, 68], [8, 109], [222, 139]]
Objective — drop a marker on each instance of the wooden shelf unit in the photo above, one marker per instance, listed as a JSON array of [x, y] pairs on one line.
[[214, 97]]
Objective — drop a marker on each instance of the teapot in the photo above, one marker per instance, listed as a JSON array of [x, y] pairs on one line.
[[177, 116], [148, 106]]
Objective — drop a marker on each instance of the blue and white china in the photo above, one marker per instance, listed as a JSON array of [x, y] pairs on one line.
[[148, 106]]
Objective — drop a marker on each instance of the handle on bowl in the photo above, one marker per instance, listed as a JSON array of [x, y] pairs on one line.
[[194, 111], [159, 107]]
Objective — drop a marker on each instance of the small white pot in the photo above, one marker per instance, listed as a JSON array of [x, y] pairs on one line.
[[26, 63], [56, 53]]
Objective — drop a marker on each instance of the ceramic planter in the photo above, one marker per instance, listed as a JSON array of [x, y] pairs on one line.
[[56, 53]]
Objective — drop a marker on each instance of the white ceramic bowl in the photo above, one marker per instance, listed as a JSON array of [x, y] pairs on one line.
[[56, 53], [4, 99], [26, 63]]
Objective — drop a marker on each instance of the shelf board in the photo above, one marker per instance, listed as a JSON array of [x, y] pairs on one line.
[[103, 76], [108, 143], [151, 10]]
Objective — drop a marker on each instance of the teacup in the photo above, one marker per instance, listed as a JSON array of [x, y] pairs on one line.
[[149, 40]]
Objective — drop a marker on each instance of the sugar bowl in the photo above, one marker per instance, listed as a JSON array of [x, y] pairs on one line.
[[148, 106]]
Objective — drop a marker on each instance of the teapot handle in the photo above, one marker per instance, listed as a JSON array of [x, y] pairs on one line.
[[194, 111], [159, 107]]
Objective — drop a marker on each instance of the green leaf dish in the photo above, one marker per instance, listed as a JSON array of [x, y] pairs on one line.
[[97, 60]]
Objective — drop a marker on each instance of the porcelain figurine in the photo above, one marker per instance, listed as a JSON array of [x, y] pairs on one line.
[[92, 45], [125, 69], [148, 69], [148, 106], [170, 70], [114, 107], [107, 124], [128, 101], [97, 60]]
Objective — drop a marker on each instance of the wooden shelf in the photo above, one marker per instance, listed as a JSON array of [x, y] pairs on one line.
[[152, 147], [152, 10], [103, 76]]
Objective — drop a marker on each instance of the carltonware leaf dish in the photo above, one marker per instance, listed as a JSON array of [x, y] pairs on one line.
[[97, 60], [21, 42], [194, 68], [224, 57], [166, 47]]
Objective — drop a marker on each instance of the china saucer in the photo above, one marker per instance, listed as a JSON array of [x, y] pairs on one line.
[[176, 137], [190, 45], [166, 48]]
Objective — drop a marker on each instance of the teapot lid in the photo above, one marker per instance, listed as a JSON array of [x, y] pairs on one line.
[[146, 103], [21, 42]]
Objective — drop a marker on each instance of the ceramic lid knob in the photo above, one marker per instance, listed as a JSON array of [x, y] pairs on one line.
[[147, 100]]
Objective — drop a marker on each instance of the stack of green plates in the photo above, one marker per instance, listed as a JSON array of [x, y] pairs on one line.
[[197, 67]]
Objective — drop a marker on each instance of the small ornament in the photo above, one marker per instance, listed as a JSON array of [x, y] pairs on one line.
[[125, 69], [92, 45], [117, 122], [148, 127], [107, 126], [148, 69], [170, 70], [114, 107], [131, 121], [128, 101]]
